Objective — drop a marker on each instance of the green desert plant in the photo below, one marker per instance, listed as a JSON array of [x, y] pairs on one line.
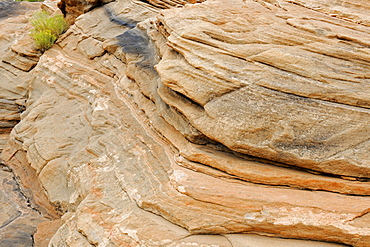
[[46, 29], [44, 39]]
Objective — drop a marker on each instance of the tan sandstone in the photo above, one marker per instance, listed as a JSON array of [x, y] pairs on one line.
[[200, 126]]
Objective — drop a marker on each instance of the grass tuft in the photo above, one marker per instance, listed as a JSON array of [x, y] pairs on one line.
[[46, 29], [44, 39]]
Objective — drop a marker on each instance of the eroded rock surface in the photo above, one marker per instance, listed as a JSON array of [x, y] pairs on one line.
[[284, 89], [13, 83], [18, 221], [193, 126], [19, 215]]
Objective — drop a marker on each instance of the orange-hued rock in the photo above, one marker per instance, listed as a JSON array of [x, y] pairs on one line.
[[22, 208], [31, 187], [45, 231], [74, 8], [23, 54], [200, 126], [279, 83], [354, 11]]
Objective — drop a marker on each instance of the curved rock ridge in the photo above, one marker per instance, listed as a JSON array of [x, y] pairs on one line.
[[282, 83], [183, 127]]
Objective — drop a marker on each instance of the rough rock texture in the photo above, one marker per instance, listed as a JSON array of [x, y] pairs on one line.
[[194, 126], [74, 8], [13, 80], [290, 89], [9, 8], [18, 221], [19, 217]]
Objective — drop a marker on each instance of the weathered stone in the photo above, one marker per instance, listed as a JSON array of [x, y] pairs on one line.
[[22, 53], [186, 130], [31, 187], [13, 81], [91, 48], [355, 11], [165, 4], [74, 8], [45, 231], [18, 218], [20, 62], [9, 8], [18, 221], [250, 240], [308, 108]]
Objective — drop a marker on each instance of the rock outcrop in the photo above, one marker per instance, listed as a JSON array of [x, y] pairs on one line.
[[13, 83], [18, 221], [18, 218], [153, 125]]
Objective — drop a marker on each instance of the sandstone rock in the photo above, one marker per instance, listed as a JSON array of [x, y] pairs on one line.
[[17, 220], [354, 11], [18, 217], [45, 231], [9, 8], [31, 187], [185, 130], [91, 48], [23, 54], [308, 108], [13, 31], [73, 8], [172, 3], [250, 240], [9, 113]]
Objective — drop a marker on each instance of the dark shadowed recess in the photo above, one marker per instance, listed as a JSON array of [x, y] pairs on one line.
[[133, 41], [19, 224], [8, 8]]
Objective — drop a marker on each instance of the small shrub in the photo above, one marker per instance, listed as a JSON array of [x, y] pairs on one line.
[[46, 29], [44, 39]]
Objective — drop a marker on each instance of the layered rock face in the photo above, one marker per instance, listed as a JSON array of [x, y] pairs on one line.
[[18, 218], [14, 63], [196, 125]]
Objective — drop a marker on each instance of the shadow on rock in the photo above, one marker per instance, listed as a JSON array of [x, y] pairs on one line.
[[8, 8], [134, 41]]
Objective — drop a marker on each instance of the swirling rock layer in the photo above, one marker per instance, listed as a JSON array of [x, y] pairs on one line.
[[200, 124]]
